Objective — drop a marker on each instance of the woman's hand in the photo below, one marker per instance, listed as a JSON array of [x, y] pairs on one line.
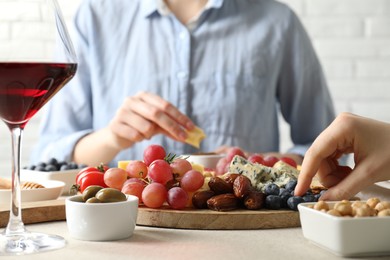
[[144, 115], [368, 139], [140, 117]]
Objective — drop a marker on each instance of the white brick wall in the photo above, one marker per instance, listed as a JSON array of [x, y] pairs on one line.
[[352, 39]]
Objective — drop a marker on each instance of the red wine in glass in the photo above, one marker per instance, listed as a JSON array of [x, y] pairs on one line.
[[34, 66], [26, 87]]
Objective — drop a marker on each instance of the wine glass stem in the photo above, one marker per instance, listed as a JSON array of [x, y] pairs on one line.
[[15, 224]]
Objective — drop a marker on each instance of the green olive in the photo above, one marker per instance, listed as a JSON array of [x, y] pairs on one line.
[[110, 195], [93, 200], [78, 198], [91, 191]]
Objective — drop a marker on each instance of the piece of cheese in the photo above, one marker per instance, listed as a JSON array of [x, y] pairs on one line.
[[287, 168], [261, 175], [195, 136], [123, 164], [197, 167]]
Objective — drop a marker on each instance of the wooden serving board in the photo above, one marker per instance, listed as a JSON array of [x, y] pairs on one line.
[[209, 219], [54, 210], [36, 212]]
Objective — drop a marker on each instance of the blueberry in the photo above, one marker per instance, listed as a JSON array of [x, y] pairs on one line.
[[309, 198], [61, 163], [281, 191], [40, 168], [293, 202], [271, 189], [31, 167], [73, 165], [50, 168], [65, 167], [290, 186], [273, 202], [82, 166], [41, 164], [309, 192], [284, 196], [53, 161]]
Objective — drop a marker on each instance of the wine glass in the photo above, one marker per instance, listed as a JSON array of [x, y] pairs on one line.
[[36, 60]]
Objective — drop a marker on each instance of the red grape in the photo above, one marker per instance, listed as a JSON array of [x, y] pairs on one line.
[[256, 158], [222, 166], [172, 183], [115, 177], [233, 151], [289, 161], [180, 166], [134, 188], [177, 198], [270, 160], [154, 195], [137, 169], [192, 181], [139, 180], [160, 171], [153, 152]]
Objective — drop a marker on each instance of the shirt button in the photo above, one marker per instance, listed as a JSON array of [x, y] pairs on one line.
[[181, 74]]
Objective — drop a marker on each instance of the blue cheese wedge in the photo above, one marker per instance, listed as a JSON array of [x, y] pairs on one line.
[[261, 175]]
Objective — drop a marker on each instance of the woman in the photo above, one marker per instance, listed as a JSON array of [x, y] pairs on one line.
[[151, 70]]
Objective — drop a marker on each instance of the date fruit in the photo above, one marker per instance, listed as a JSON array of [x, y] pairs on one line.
[[223, 202], [230, 177], [199, 199], [254, 200], [242, 186], [219, 186]]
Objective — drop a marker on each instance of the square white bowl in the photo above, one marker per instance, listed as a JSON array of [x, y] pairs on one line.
[[346, 236], [68, 177]]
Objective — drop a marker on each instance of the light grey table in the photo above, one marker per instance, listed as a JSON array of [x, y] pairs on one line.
[[162, 243]]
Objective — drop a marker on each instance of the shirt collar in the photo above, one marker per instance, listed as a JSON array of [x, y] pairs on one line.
[[148, 7]]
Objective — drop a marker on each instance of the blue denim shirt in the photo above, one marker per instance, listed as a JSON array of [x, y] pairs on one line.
[[242, 63]]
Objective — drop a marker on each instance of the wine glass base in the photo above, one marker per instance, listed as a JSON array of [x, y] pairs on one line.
[[29, 243]]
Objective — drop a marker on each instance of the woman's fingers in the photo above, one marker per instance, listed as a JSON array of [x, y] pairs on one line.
[[168, 109], [161, 113], [324, 153], [348, 186]]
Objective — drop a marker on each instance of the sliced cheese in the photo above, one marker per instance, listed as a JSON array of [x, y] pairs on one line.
[[195, 136]]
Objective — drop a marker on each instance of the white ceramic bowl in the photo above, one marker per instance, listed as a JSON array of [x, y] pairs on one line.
[[68, 177], [101, 221], [346, 236], [52, 190], [207, 160]]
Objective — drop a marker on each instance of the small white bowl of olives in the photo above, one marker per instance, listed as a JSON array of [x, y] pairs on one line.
[[101, 214]]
